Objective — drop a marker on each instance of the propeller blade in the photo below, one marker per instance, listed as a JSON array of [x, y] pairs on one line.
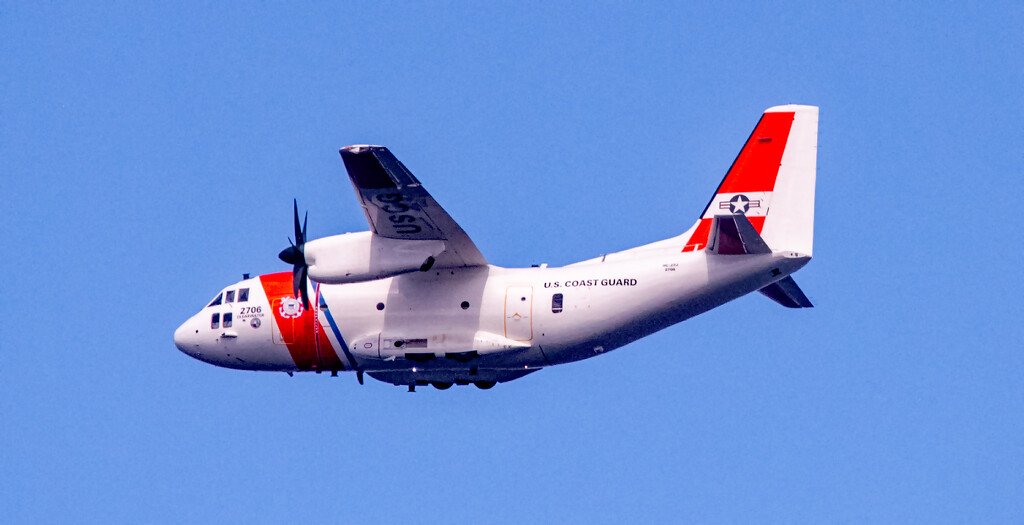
[[304, 219], [295, 255], [298, 232], [304, 287]]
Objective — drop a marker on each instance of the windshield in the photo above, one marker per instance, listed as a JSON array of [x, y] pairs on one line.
[[216, 301]]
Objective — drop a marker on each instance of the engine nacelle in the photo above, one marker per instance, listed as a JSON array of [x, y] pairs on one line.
[[363, 256]]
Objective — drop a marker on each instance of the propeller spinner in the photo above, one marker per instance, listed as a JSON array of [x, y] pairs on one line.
[[295, 255]]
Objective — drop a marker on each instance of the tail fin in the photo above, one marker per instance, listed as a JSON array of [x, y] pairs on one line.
[[771, 182]]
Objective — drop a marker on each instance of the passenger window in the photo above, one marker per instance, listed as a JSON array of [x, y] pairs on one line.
[[243, 295], [556, 303], [215, 321], [230, 297], [227, 320], [216, 301]]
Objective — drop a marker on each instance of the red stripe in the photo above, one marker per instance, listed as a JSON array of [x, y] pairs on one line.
[[757, 223], [329, 359], [757, 165], [754, 170], [699, 239], [297, 333]]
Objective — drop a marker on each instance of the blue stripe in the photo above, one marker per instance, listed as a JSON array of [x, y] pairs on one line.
[[337, 333]]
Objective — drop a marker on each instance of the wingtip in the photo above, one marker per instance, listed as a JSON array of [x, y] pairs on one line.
[[358, 148]]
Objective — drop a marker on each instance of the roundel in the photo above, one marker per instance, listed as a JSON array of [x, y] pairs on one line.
[[739, 204]]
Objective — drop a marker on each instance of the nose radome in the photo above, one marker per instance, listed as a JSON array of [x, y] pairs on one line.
[[179, 337], [184, 337]]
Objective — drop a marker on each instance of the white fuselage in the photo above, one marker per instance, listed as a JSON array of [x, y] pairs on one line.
[[468, 324]]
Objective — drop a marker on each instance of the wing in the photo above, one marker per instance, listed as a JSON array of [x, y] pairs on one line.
[[397, 206]]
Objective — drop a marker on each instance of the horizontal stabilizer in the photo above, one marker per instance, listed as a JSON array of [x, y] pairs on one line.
[[787, 293], [734, 235]]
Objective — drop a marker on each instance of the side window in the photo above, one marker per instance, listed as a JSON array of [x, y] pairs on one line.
[[230, 297], [227, 320], [215, 321], [556, 303], [216, 301], [243, 295]]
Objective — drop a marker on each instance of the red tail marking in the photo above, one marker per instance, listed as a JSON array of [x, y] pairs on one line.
[[754, 170], [758, 163], [699, 239]]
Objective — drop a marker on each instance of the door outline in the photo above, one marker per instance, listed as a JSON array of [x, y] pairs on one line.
[[515, 329]]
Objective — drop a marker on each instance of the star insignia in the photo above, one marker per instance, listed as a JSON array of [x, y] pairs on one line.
[[739, 204]]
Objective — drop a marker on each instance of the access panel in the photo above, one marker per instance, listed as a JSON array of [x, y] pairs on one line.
[[519, 313]]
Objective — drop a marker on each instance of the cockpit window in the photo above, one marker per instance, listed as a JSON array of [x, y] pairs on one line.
[[215, 321], [227, 320], [243, 295], [216, 301], [229, 297]]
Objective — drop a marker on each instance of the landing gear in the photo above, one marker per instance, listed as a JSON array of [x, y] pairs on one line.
[[441, 386], [484, 385]]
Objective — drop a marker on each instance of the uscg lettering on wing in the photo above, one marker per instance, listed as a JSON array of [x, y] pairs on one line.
[[591, 282], [403, 222]]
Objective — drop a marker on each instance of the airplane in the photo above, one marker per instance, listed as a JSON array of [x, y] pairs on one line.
[[412, 302]]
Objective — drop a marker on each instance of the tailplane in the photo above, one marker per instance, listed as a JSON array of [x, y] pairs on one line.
[[735, 235], [787, 293]]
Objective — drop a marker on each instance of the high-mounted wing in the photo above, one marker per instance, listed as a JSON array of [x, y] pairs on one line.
[[397, 206]]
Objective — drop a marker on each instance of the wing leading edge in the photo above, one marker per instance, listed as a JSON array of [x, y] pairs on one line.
[[397, 206]]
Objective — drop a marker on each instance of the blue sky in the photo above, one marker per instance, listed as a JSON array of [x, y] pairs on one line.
[[149, 154]]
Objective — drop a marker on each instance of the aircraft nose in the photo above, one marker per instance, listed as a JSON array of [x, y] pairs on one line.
[[185, 337], [179, 338]]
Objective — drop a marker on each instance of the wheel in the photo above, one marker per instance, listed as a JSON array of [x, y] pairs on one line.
[[484, 385], [441, 386]]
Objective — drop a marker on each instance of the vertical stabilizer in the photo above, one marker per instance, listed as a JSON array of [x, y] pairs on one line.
[[790, 222], [771, 182]]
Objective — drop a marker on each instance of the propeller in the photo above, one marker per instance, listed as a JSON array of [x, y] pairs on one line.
[[295, 255]]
